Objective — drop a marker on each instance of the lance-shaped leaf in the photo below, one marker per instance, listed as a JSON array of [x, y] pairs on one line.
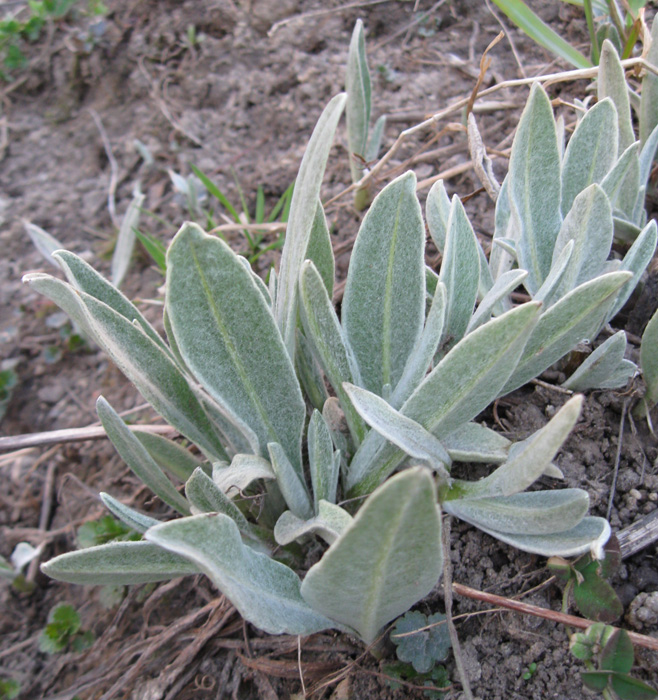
[[506, 283], [457, 389], [591, 152], [386, 560], [288, 480], [329, 523], [375, 139], [533, 513], [528, 463], [624, 175], [320, 250], [473, 442], [600, 365], [398, 429], [303, 209], [534, 187], [309, 373], [206, 497], [136, 456], [649, 95], [323, 467], [460, 273], [637, 258], [43, 241], [590, 535], [238, 436], [126, 240], [547, 290], [83, 277], [121, 563], [168, 454], [564, 325], [264, 591], [357, 112], [437, 213], [229, 340], [649, 361], [420, 359], [131, 517], [330, 347], [244, 469], [647, 156], [499, 260], [612, 83], [589, 225], [384, 302]]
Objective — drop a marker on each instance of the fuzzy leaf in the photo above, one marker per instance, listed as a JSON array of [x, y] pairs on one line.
[[325, 335], [506, 283], [169, 454], [460, 273], [383, 306], [559, 267], [624, 175], [303, 209], [599, 365], [136, 456], [649, 95], [329, 523], [140, 522], [206, 497], [612, 83], [386, 560], [243, 470], [229, 340], [123, 563], [320, 250], [291, 484], [473, 442], [649, 359], [126, 240], [322, 465], [264, 591], [437, 212], [564, 325], [375, 139], [43, 242], [591, 152], [357, 112], [534, 187], [533, 513]]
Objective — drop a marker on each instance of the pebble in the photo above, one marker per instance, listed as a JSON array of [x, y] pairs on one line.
[[51, 393], [643, 612]]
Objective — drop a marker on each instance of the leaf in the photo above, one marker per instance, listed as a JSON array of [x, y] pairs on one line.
[[612, 83], [473, 442], [624, 176], [126, 240], [649, 359], [629, 688], [320, 250], [309, 372], [122, 563], [375, 139], [590, 534], [533, 513], [636, 260], [649, 95], [303, 210], [43, 241], [596, 680], [398, 429], [322, 465], [357, 111], [564, 325], [437, 213], [589, 225], [329, 345], [528, 463], [591, 152], [596, 599], [534, 27], [457, 389], [386, 560], [422, 648], [499, 260], [329, 523], [646, 158], [383, 307], [420, 359], [534, 187], [140, 522], [229, 340], [291, 484], [546, 292], [206, 497], [506, 283], [135, 455], [460, 273], [155, 248], [264, 591], [600, 365], [243, 470], [168, 454]]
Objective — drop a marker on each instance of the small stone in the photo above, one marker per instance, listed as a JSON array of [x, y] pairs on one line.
[[635, 494], [643, 611], [51, 393]]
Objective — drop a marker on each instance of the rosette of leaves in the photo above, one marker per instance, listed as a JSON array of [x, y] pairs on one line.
[[244, 376], [557, 214]]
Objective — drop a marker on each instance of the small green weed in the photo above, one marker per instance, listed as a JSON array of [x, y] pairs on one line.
[[436, 680], [8, 380], [421, 640], [63, 632], [105, 530], [9, 689], [530, 671]]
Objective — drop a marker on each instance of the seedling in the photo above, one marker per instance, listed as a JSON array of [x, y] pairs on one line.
[[530, 671], [63, 632], [107, 529], [436, 679], [9, 689], [421, 641]]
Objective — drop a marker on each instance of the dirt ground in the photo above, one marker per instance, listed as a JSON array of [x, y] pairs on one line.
[[238, 96]]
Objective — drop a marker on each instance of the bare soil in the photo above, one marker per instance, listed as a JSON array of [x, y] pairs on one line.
[[240, 104]]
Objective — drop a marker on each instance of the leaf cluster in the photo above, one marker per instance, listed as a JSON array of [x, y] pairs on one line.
[[63, 632]]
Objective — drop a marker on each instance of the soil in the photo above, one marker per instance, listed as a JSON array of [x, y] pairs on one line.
[[235, 88]]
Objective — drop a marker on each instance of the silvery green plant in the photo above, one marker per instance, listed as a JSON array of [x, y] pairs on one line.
[[363, 143], [244, 376], [556, 216]]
